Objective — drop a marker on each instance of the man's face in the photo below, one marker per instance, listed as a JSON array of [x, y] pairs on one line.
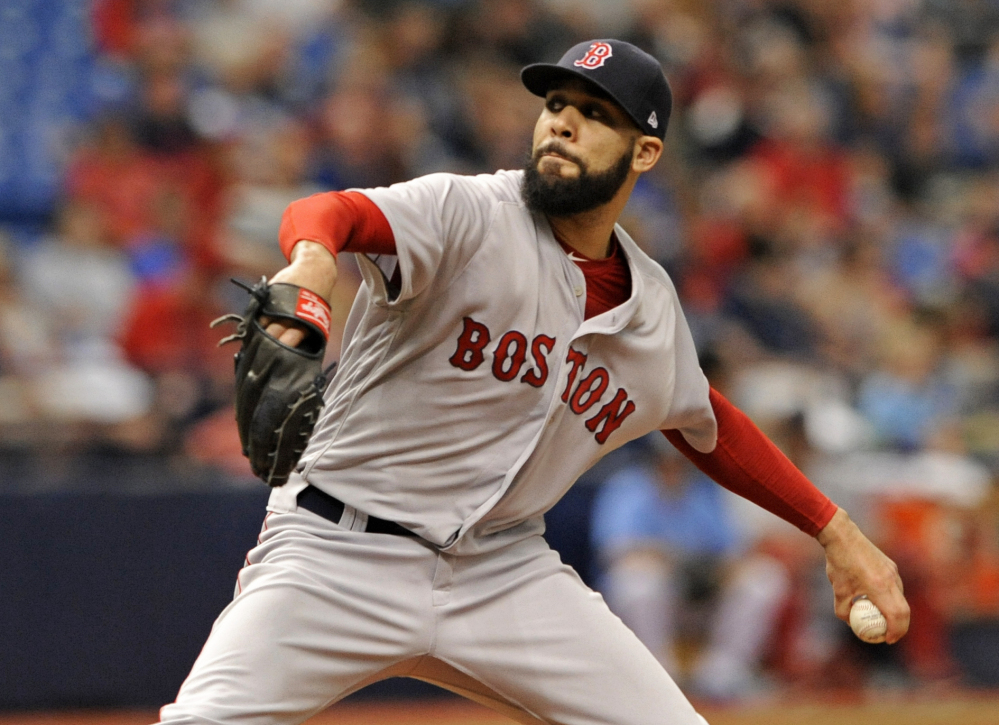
[[582, 152]]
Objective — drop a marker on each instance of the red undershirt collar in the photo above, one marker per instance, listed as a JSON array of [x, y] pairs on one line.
[[608, 281]]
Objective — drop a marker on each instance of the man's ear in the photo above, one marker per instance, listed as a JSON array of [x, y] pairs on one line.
[[648, 149]]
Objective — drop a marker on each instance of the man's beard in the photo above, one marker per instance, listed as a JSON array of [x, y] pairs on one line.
[[555, 196]]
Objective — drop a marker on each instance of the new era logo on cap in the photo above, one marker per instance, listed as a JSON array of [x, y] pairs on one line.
[[653, 121]]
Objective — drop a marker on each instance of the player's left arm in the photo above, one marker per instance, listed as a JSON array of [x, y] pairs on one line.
[[748, 463]]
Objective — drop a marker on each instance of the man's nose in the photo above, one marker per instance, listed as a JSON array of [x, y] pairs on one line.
[[565, 123]]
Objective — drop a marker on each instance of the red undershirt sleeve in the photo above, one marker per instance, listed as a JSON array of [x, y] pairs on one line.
[[748, 463], [340, 221]]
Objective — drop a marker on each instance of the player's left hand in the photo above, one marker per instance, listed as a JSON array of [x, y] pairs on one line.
[[855, 566]]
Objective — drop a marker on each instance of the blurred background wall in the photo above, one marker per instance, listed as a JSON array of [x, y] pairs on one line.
[[828, 207]]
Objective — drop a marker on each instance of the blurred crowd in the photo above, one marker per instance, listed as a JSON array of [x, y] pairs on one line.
[[828, 207]]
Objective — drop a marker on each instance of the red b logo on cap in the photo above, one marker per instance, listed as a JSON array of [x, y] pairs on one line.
[[595, 57]]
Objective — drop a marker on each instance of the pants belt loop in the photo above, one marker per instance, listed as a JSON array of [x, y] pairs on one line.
[[348, 517]]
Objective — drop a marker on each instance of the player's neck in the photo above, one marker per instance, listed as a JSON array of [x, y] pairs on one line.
[[590, 232], [593, 241]]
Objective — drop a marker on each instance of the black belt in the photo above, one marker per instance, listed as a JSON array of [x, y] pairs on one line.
[[321, 503]]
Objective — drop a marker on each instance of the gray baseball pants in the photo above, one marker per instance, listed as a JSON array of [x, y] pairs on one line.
[[320, 611]]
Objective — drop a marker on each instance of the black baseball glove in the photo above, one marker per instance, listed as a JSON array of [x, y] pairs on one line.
[[279, 389]]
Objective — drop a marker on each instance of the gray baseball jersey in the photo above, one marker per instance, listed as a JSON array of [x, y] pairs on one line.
[[472, 395]]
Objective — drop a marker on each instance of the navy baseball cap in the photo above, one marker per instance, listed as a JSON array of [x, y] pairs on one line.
[[629, 75]]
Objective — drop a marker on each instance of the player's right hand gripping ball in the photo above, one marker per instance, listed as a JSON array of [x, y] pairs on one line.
[[867, 621], [279, 389]]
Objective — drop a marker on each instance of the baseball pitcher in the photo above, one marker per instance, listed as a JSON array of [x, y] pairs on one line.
[[507, 335]]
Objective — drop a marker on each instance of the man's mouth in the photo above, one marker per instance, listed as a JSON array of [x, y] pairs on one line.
[[558, 154]]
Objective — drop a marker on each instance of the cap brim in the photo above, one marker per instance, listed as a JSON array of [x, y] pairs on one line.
[[538, 78]]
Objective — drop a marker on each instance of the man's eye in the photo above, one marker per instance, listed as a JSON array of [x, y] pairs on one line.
[[555, 105]]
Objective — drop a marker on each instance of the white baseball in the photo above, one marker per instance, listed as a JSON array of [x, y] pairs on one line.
[[867, 621]]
